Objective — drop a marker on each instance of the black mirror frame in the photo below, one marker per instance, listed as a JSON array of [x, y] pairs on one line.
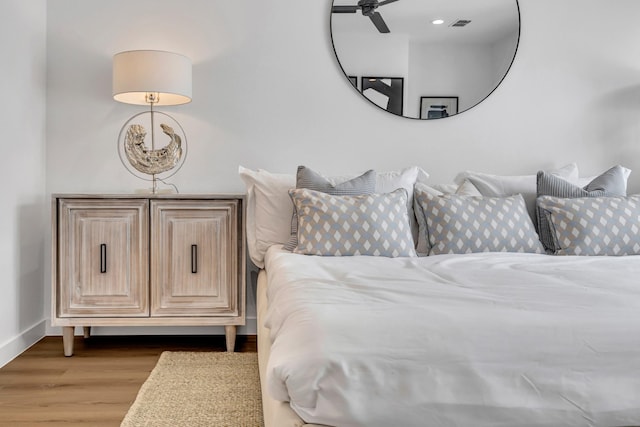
[[350, 78]]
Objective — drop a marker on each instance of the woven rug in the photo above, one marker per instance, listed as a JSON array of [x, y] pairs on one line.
[[194, 389]]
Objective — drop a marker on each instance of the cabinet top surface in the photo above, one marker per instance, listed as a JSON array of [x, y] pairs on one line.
[[169, 196]]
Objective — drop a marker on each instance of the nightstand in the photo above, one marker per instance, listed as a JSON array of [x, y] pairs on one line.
[[148, 260]]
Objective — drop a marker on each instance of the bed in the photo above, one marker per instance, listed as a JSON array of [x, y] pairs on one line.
[[484, 338]]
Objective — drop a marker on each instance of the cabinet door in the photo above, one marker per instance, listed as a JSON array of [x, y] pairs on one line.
[[194, 262], [103, 258]]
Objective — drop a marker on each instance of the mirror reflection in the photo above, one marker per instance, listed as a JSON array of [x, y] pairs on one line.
[[425, 59]]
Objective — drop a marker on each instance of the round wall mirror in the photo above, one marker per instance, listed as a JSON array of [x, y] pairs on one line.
[[425, 59]]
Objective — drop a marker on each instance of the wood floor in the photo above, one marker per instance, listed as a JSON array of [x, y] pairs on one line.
[[94, 387]]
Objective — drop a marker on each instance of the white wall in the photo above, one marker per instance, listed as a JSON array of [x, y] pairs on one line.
[[268, 93], [502, 53], [23, 217]]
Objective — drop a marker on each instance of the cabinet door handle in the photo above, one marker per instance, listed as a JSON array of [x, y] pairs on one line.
[[103, 258], [194, 258]]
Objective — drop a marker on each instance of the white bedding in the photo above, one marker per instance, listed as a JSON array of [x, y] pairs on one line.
[[455, 340]]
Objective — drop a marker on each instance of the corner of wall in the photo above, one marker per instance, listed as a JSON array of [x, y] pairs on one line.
[[14, 347]]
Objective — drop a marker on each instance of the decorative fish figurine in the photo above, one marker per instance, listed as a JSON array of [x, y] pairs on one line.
[[151, 161]]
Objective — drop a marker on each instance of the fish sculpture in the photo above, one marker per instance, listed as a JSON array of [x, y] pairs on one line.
[[152, 161]]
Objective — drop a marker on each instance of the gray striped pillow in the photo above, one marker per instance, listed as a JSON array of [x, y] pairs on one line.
[[610, 183], [312, 180]]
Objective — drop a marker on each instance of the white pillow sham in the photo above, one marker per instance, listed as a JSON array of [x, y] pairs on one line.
[[269, 210]]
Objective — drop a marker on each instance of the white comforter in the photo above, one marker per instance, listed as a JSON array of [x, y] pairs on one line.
[[463, 340]]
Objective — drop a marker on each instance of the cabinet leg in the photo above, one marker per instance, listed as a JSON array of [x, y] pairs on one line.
[[67, 340], [230, 333], [87, 331]]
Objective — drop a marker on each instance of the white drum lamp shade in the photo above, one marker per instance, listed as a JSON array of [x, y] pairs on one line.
[[137, 74]]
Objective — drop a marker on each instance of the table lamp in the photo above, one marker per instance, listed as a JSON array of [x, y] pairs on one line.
[[153, 78]]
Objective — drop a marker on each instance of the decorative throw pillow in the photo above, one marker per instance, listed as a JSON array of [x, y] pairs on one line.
[[505, 185], [593, 225], [312, 180], [583, 181], [612, 182], [464, 189], [462, 224], [371, 224], [422, 243]]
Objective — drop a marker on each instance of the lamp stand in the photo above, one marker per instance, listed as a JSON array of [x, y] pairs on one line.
[[152, 98], [140, 159]]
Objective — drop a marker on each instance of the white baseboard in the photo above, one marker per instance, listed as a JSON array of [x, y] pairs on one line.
[[13, 348]]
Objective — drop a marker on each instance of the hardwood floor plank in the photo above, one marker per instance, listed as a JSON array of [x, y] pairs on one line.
[[96, 386]]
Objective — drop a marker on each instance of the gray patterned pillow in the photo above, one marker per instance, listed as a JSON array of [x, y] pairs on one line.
[[371, 224], [612, 182], [308, 178], [593, 225], [463, 224]]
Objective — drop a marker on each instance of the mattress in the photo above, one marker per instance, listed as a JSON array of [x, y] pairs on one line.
[[491, 339]]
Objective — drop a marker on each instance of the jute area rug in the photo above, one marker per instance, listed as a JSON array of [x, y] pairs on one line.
[[194, 389]]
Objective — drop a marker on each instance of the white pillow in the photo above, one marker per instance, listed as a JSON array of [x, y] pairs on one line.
[[269, 207], [269, 210], [467, 189], [386, 182], [505, 185]]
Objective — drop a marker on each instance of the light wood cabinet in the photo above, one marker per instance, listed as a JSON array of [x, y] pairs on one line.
[[161, 260]]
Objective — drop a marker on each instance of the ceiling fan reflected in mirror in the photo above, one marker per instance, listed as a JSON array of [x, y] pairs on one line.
[[368, 8]]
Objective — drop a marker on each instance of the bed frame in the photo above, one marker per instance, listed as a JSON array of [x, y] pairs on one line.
[[276, 413]]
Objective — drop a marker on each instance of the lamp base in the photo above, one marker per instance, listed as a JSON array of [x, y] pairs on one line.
[[151, 164], [158, 191]]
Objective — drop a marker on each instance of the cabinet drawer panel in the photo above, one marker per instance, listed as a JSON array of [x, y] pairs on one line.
[[103, 252], [193, 262]]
